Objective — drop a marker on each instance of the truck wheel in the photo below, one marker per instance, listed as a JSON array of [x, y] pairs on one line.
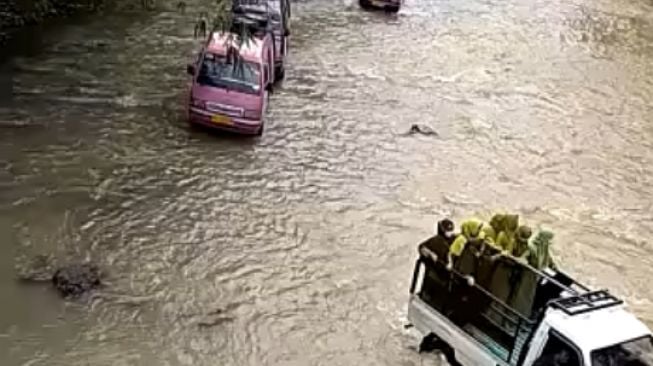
[[259, 132], [429, 343], [392, 9], [365, 4], [279, 73], [432, 343]]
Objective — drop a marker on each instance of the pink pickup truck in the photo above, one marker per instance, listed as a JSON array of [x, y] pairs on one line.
[[388, 5], [231, 83]]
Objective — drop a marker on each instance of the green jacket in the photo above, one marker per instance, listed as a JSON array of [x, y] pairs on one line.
[[505, 226], [539, 250]]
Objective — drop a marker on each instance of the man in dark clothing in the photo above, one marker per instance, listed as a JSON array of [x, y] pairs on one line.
[[445, 230]]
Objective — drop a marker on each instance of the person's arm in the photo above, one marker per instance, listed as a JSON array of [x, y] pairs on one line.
[[503, 253], [455, 250], [450, 259]]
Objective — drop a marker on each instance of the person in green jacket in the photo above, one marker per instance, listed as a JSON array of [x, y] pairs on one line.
[[522, 236], [498, 222], [505, 227], [539, 255]]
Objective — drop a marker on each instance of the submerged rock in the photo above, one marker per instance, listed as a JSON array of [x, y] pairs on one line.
[[69, 280], [76, 279], [421, 129]]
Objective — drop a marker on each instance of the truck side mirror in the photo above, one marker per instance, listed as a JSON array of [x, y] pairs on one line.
[[190, 69]]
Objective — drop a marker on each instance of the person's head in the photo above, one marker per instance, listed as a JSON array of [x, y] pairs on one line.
[[498, 222], [523, 234], [446, 228], [543, 239], [471, 228], [511, 222]]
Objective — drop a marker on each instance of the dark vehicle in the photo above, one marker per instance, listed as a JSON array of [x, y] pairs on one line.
[[277, 13]]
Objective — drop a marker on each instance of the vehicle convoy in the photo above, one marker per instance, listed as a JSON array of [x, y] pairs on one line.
[[496, 310], [277, 14], [387, 5], [231, 82]]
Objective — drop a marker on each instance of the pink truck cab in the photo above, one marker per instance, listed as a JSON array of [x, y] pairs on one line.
[[387, 5], [231, 83]]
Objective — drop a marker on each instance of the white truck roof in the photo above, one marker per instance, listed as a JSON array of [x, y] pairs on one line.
[[598, 328]]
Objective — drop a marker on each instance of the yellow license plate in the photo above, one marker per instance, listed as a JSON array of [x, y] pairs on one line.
[[222, 120]]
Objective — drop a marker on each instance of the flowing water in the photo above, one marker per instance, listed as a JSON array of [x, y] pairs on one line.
[[297, 248]]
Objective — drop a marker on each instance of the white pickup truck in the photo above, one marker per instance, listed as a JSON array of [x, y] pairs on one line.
[[504, 313]]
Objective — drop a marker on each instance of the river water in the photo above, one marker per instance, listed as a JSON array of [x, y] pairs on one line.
[[297, 248]]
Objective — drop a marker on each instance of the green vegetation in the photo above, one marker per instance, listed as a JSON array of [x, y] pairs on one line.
[[15, 14]]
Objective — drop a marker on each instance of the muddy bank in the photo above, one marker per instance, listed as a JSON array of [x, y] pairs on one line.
[[18, 14]]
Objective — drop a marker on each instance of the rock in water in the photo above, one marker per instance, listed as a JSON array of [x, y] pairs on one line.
[[76, 279], [421, 129]]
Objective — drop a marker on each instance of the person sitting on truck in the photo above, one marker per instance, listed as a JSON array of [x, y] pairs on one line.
[[520, 249], [498, 222], [539, 255], [439, 244], [472, 228], [445, 229], [505, 226]]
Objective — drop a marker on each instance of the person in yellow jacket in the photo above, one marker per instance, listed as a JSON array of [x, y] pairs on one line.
[[470, 229], [505, 226]]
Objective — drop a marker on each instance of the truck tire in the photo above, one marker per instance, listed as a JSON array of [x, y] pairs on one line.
[[279, 73], [365, 4], [432, 343], [392, 8]]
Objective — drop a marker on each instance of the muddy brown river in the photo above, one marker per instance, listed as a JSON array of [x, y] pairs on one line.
[[297, 248]]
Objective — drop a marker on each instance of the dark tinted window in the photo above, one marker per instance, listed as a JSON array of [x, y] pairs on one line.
[[558, 352], [636, 352], [240, 75]]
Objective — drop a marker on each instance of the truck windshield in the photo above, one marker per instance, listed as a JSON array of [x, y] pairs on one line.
[[240, 75], [638, 352]]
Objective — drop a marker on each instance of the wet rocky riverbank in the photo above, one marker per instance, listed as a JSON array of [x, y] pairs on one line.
[[16, 15]]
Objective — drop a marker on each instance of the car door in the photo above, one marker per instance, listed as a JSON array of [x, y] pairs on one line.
[[558, 349]]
